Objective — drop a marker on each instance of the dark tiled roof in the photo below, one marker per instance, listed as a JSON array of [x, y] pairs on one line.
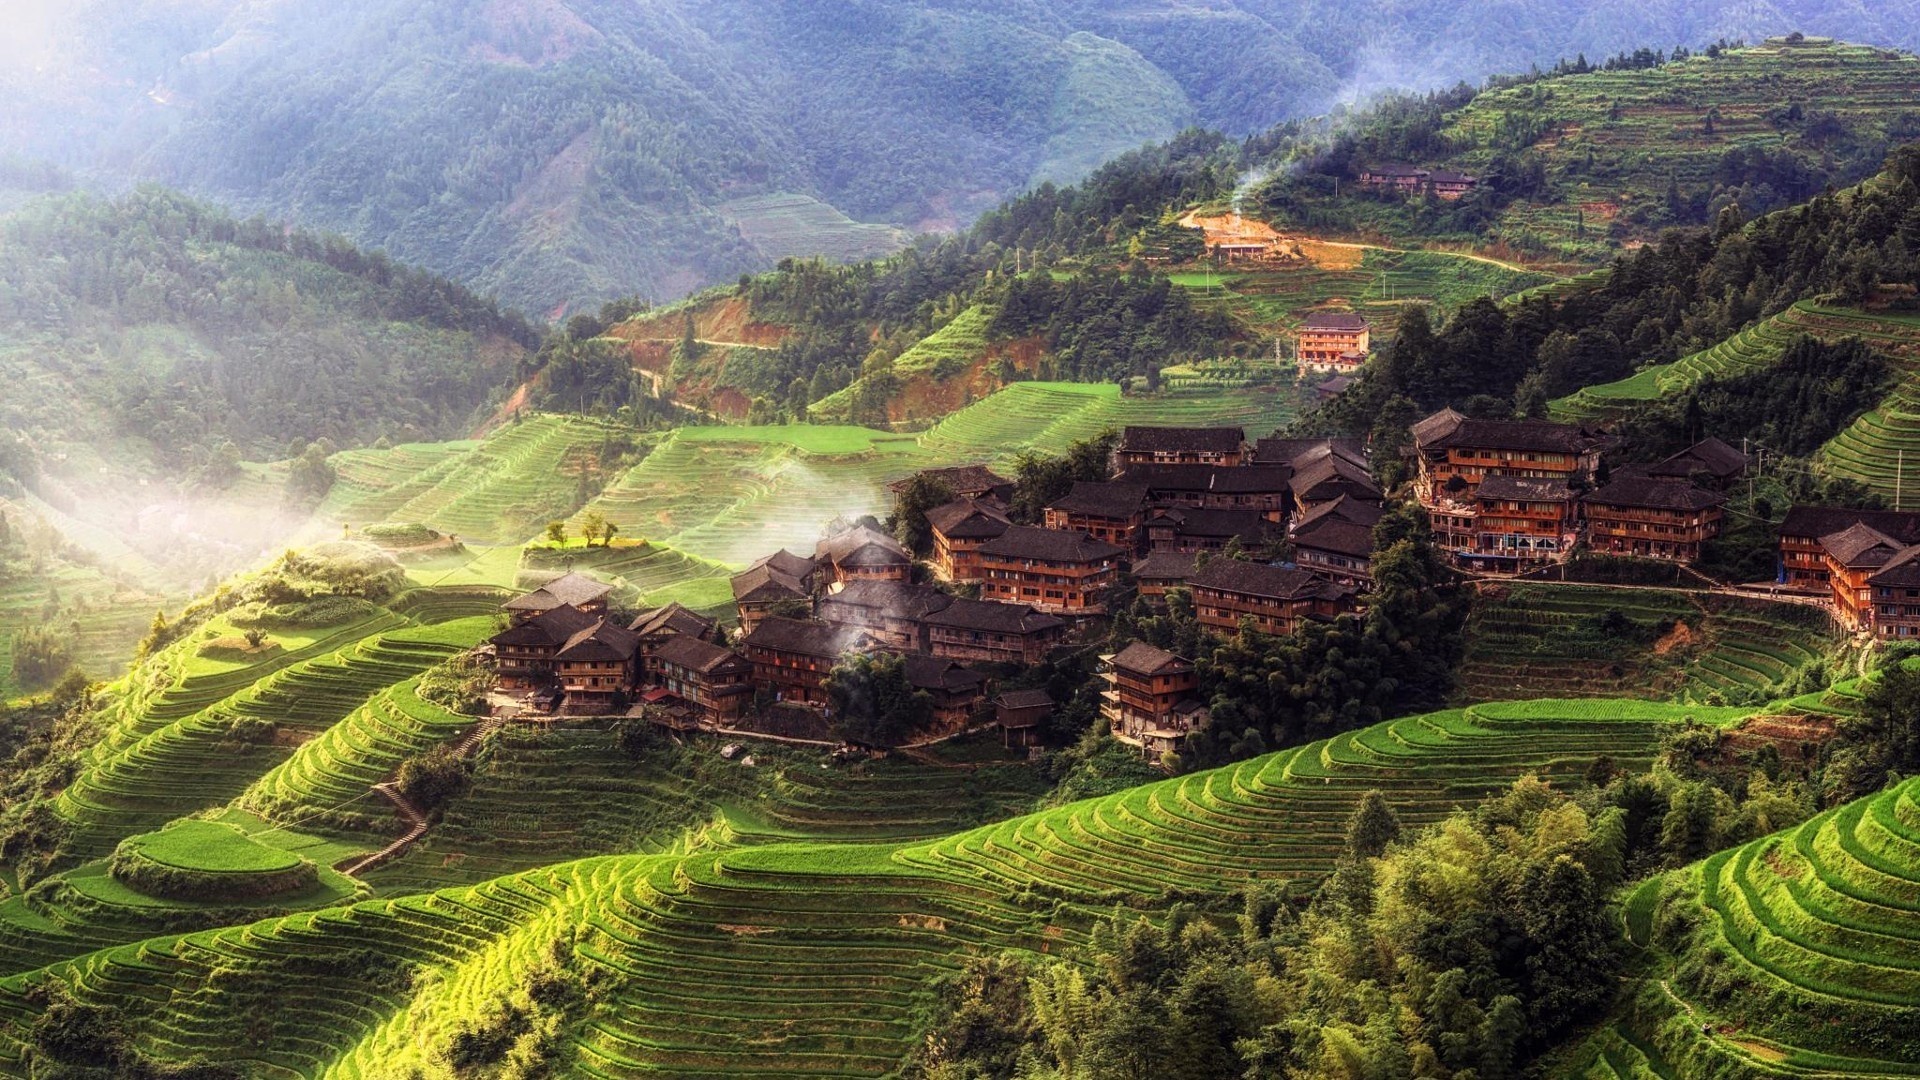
[[1141, 658], [1025, 699], [765, 584], [691, 653], [1818, 521], [1443, 176], [568, 588], [1524, 489], [1347, 508], [1334, 320], [672, 619], [809, 637], [1165, 440], [1250, 479], [1903, 570], [1165, 566], [958, 478], [1275, 450], [1049, 545], [1860, 545], [1186, 521], [552, 627], [1654, 493], [788, 563], [1536, 435], [938, 673], [840, 547], [893, 597], [602, 641], [1395, 170], [1256, 579], [1219, 479], [993, 617], [1316, 470], [1338, 535], [1102, 499], [1709, 455], [969, 519]]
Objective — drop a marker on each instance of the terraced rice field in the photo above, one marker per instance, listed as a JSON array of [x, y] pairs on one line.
[[102, 617], [786, 224], [502, 490], [1548, 639], [552, 792], [798, 959], [1800, 953]]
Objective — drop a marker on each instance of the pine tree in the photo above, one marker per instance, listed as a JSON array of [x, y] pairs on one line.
[[1372, 827]]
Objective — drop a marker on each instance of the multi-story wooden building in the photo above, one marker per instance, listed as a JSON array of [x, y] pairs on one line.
[[959, 528], [1276, 450], [1111, 511], [1177, 528], [1854, 556], [1019, 714], [1453, 453], [1652, 518], [1261, 488], [1054, 571], [523, 652], [597, 667], [1803, 561], [957, 690], [716, 682], [1709, 463], [792, 657], [1896, 596], [568, 590], [1414, 180], [1327, 472], [655, 627], [863, 553], [1515, 522], [1161, 573], [1150, 701], [893, 612], [1334, 541], [780, 584], [1180, 446], [982, 630], [1275, 599], [1448, 185], [1335, 342]]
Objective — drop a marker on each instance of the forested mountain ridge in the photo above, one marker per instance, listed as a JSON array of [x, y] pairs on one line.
[[560, 152]]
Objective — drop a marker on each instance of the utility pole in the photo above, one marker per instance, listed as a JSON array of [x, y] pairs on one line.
[[1899, 474]]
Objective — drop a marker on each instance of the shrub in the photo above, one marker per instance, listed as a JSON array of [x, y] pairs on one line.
[[405, 535], [460, 685]]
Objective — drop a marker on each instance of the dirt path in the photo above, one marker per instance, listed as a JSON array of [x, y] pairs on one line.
[[1747, 592], [417, 823]]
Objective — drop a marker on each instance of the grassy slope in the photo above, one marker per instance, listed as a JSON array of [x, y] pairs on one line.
[[1642, 129], [809, 958]]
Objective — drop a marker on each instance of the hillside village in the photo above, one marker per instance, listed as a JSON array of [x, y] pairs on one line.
[[1263, 535]]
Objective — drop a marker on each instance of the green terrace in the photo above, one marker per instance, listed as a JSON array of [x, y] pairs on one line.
[[1796, 955], [801, 958], [1527, 640]]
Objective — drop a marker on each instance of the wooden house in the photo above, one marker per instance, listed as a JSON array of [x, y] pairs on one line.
[[1449, 185], [1514, 522], [1332, 342], [959, 528], [1161, 573], [1895, 591], [1652, 518], [716, 682], [983, 630], [1275, 599], [964, 481], [1327, 472], [1803, 561], [1334, 541], [568, 590], [780, 584], [957, 690], [1019, 715], [597, 667], [893, 612], [864, 553], [1453, 453], [792, 657], [1854, 556], [1180, 446], [1393, 177], [1709, 463], [1055, 571], [523, 652], [654, 627], [1262, 488], [1177, 528], [1151, 698], [1109, 511]]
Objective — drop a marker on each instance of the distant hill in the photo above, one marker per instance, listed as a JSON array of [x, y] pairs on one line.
[[560, 152]]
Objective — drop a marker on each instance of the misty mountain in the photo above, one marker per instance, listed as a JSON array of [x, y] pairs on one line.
[[558, 152]]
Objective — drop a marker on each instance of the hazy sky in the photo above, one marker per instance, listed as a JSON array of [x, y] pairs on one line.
[[26, 31]]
